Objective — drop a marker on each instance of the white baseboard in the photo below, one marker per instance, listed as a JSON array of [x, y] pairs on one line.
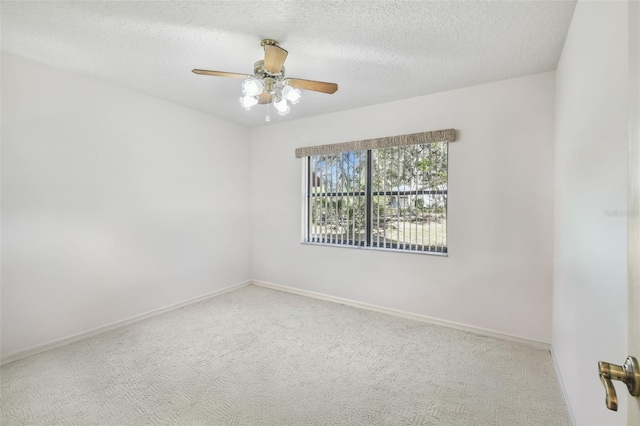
[[563, 390], [98, 330], [396, 312]]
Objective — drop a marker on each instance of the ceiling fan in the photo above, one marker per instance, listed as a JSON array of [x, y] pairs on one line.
[[268, 84]]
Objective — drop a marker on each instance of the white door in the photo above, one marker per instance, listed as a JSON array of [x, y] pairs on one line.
[[633, 404]]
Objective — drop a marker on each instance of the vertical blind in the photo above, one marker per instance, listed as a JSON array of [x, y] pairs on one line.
[[390, 198]]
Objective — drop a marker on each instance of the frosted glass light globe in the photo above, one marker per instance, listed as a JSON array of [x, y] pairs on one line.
[[291, 94], [284, 111], [248, 101], [281, 105], [252, 87]]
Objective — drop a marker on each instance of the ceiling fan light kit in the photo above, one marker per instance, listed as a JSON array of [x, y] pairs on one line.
[[268, 85], [252, 87]]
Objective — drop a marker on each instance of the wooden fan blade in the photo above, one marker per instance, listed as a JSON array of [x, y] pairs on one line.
[[316, 86], [265, 98], [221, 73], [274, 57]]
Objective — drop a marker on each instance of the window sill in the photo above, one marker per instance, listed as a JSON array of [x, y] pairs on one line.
[[428, 253]]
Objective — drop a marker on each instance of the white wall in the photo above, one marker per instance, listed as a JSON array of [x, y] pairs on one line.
[[498, 274], [114, 203], [590, 281]]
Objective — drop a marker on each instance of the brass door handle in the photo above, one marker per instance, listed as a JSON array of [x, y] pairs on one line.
[[628, 373]]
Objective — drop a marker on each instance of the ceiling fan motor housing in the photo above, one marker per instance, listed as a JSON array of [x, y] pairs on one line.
[[261, 72]]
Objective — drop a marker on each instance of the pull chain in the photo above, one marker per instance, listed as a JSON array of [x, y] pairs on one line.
[[268, 118]]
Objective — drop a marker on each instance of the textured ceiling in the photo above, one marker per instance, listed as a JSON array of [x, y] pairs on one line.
[[376, 51]]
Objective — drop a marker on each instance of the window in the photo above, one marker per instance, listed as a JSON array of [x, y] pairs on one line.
[[386, 198]]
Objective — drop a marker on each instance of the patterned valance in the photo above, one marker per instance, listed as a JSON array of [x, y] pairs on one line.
[[448, 135]]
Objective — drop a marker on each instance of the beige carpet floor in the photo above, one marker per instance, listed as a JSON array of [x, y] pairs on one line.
[[256, 356]]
